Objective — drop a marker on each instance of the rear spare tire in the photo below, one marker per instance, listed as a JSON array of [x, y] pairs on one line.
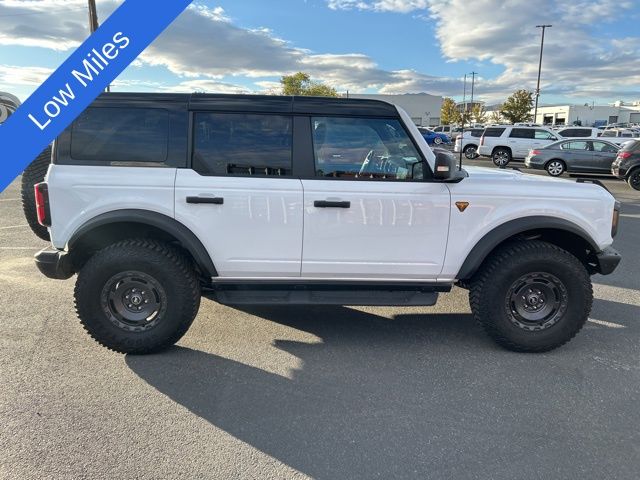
[[33, 174]]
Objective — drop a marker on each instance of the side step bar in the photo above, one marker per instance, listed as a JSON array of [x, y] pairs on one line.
[[325, 294]]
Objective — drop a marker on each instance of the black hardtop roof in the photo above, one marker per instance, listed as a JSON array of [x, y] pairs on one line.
[[253, 103]]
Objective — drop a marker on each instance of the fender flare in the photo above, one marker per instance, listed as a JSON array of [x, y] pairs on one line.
[[499, 234], [172, 227]]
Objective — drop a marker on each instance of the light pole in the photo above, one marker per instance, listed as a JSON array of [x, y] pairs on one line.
[[93, 23], [464, 106], [473, 81], [535, 110]]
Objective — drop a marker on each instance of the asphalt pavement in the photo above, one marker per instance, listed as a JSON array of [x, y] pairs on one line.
[[326, 393]]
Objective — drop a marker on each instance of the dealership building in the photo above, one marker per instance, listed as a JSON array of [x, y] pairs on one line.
[[424, 109], [588, 115]]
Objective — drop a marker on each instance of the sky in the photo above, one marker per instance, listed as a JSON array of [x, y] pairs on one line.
[[592, 52]]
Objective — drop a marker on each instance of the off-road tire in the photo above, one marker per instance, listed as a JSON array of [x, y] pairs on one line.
[[173, 271], [633, 179], [501, 157], [33, 174], [490, 300]]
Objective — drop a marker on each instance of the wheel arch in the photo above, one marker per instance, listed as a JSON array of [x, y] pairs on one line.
[[503, 147], [117, 225], [557, 231]]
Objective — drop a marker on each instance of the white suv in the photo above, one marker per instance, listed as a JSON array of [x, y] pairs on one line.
[[504, 143], [157, 200]]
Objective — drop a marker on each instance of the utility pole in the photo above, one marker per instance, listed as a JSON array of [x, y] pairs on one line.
[[93, 23], [464, 107], [473, 81], [535, 110]]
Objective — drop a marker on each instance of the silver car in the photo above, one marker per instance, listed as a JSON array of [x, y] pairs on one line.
[[579, 155]]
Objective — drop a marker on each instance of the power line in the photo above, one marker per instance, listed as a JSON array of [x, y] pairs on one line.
[[41, 13]]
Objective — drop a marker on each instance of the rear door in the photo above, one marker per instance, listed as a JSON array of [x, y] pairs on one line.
[[521, 141], [368, 211], [240, 197]]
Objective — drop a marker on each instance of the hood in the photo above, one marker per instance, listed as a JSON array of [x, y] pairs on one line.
[[487, 174]]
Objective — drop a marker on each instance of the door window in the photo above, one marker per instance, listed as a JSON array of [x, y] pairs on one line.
[[604, 147], [521, 133], [364, 148], [579, 145], [543, 135], [242, 144]]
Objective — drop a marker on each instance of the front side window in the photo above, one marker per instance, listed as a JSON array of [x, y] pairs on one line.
[[604, 147], [242, 144], [543, 135], [364, 148], [580, 145], [120, 135]]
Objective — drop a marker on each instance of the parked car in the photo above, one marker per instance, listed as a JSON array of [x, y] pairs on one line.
[[578, 132], [450, 130], [434, 138], [468, 142], [588, 155], [505, 143], [619, 135], [627, 164], [349, 205]]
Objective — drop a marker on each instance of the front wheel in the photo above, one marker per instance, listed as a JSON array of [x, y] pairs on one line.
[[137, 296], [555, 168], [634, 179], [501, 157], [531, 296]]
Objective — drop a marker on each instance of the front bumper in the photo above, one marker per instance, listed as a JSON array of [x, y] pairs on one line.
[[54, 264], [607, 261]]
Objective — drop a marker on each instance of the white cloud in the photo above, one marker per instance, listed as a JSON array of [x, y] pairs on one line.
[[399, 6], [25, 76]]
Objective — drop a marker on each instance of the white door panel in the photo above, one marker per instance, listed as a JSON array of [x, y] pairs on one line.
[[390, 230], [255, 232]]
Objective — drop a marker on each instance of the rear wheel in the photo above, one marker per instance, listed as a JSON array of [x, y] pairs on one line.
[[33, 174], [501, 157], [437, 141], [137, 296], [531, 296], [634, 179], [470, 151], [555, 168]]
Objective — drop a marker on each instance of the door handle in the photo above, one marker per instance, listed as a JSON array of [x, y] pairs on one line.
[[331, 204], [212, 200]]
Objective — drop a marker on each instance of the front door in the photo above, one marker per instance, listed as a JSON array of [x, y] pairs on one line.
[[603, 156], [368, 213], [239, 198]]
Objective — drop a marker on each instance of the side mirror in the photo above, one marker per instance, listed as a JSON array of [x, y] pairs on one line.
[[445, 166]]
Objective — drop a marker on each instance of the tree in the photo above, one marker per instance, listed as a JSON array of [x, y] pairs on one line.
[[495, 116], [478, 113], [449, 113], [301, 84], [517, 108]]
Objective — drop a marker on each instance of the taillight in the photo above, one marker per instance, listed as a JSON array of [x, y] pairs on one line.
[[42, 204], [615, 220], [624, 155], [534, 152]]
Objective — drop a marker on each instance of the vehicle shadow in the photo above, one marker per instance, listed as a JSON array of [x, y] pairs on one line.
[[415, 396]]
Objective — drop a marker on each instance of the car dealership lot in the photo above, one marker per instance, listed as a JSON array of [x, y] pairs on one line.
[[333, 392]]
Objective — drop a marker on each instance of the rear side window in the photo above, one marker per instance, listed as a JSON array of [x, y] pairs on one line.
[[493, 132], [120, 135], [631, 146], [476, 133], [242, 144], [576, 132], [522, 133]]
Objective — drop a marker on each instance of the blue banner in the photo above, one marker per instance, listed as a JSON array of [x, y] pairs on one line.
[[80, 79]]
